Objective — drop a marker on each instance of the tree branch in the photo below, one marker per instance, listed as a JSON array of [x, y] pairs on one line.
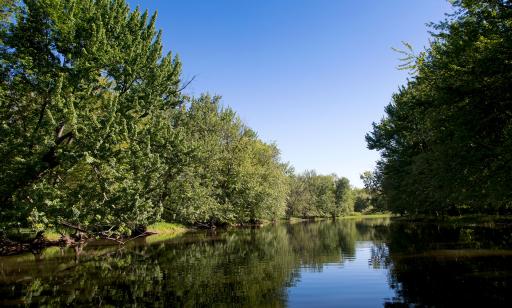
[[67, 224]]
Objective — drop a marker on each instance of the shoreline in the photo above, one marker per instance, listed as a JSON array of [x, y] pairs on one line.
[[50, 238], [351, 216], [160, 230]]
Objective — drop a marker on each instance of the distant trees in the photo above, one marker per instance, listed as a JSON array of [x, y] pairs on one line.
[[362, 201], [313, 195], [446, 139], [370, 197], [344, 196]]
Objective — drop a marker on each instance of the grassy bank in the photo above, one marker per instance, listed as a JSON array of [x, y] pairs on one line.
[[159, 228], [167, 228], [52, 235]]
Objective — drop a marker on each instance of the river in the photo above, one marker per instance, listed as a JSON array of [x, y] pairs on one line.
[[344, 263]]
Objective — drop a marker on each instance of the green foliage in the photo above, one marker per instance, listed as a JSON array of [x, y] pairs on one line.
[[362, 201], [313, 195], [446, 139], [224, 173], [344, 195], [370, 198], [95, 133], [84, 108]]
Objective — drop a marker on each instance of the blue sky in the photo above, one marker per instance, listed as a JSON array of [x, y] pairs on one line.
[[310, 75]]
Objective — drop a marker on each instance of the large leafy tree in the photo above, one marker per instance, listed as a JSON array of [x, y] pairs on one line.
[[446, 140], [85, 104]]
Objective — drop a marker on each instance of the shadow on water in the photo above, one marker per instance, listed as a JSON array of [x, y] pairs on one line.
[[442, 265], [328, 263]]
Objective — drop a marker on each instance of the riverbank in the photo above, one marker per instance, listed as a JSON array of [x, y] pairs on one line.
[[29, 241], [23, 240], [153, 229], [168, 228], [351, 216]]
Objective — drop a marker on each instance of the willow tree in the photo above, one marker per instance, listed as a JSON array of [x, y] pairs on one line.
[[85, 102]]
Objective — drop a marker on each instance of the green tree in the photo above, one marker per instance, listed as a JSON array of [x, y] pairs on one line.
[[323, 189], [446, 139], [300, 200], [223, 173], [85, 104], [371, 195], [344, 197], [314, 195], [362, 201]]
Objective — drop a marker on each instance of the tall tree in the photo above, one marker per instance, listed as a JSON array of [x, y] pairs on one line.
[[85, 108], [344, 197], [446, 139]]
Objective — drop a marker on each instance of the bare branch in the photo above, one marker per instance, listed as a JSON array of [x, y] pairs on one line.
[[186, 84]]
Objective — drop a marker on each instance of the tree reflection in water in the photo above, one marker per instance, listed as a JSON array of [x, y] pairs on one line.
[[442, 265], [429, 265]]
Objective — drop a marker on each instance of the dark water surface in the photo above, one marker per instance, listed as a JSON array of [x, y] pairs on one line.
[[347, 263]]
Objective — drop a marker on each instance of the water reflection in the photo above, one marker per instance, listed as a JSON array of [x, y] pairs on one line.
[[442, 265], [342, 263]]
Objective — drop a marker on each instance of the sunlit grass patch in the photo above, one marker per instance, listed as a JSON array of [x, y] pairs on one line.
[[52, 235], [167, 228]]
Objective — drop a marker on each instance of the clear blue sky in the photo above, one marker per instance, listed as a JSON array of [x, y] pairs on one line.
[[310, 75]]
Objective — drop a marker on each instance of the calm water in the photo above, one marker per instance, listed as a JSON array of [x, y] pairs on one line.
[[348, 263]]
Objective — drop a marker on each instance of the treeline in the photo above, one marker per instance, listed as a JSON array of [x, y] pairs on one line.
[[96, 132], [446, 139], [312, 195], [220, 172]]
